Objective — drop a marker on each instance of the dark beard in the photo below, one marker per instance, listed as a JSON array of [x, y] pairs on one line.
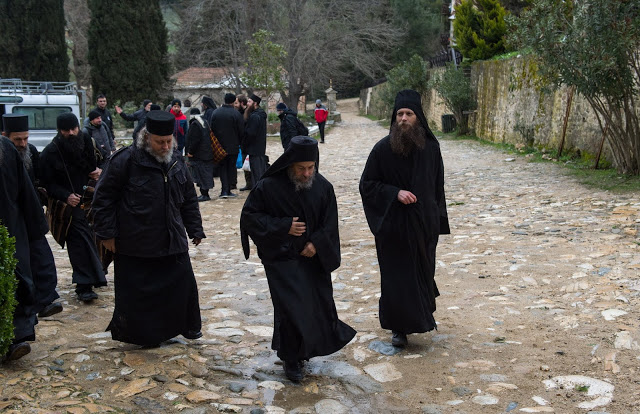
[[25, 155], [405, 140], [247, 112], [73, 144]]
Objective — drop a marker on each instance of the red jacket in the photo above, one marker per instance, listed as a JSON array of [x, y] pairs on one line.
[[321, 114]]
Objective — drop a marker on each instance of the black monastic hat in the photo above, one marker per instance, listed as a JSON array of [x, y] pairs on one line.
[[160, 123], [255, 98], [15, 123], [301, 149], [67, 121]]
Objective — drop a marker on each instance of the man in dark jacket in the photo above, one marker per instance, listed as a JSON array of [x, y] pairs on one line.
[[292, 217], [254, 143], [402, 189], [138, 116], [101, 107], [143, 203], [97, 130], [288, 122], [43, 266], [67, 164], [228, 126], [21, 213], [200, 154]]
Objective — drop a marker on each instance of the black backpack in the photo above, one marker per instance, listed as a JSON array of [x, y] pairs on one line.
[[301, 129]]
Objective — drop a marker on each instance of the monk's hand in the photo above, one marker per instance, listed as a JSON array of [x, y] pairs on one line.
[[297, 227], [309, 250], [196, 241], [118, 109], [189, 155], [73, 199], [406, 197], [110, 244], [95, 174]]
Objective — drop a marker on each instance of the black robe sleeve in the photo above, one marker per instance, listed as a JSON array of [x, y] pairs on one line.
[[190, 211], [266, 231], [325, 236], [107, 195], [377, 197]]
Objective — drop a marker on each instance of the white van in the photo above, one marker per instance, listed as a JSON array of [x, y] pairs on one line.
[[42, 102]]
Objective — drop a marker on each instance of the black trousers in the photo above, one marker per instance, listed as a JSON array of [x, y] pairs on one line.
[[228, 173], [321, 128]]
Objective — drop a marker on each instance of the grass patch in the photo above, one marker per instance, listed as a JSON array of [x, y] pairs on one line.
[[577, 166]]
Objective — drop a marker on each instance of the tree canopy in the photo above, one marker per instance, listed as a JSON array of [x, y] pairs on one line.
[[593, 45], [128, 49], [33, 46]]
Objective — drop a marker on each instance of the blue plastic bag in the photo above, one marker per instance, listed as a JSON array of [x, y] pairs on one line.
[[240, 160]]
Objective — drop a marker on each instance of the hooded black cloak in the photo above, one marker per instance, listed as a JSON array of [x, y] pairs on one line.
[[406, 235], [306, 322]]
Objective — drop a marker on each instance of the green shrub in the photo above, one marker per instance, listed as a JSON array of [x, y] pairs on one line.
[[455, 89], [8, 284]]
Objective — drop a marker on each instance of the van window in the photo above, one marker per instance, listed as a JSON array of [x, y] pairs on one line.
[[41, 117]]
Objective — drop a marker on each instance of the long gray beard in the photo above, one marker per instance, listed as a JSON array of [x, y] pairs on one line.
[[143, 143], [25, 155], [300, 185], [404, 141]]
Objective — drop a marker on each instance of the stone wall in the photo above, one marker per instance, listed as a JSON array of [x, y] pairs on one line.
[[512, 108]]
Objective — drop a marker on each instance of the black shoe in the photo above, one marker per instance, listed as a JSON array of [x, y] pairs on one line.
[[87, 295], [50, 309], [322, 142], [245, 188], [203, 198], [232, 195], [17, 351], [399, 340], [192, 334], [292, 371]]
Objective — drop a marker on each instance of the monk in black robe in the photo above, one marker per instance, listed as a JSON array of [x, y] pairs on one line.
[[292, 217], [144, 201], [402, 189], [43, 266], [21, 213], [67, 165]]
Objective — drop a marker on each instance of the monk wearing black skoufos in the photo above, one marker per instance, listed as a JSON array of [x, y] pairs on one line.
[[402, 189], [145, 206], [292, 217]]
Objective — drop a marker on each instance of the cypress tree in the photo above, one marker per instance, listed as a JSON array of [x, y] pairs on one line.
[[127, 49], [33, 46], [479, 28]]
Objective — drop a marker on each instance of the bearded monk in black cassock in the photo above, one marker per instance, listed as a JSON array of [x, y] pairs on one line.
[[21, 213], [292, 217], [402, 189]]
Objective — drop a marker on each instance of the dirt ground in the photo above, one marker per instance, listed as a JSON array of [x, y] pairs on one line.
[[538, 309]]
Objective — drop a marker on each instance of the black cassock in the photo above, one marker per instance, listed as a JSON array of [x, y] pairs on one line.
[[406, 235], [21, 213], [306, 322]]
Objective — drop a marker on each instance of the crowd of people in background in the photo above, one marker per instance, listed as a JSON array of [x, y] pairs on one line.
[[137, 207]]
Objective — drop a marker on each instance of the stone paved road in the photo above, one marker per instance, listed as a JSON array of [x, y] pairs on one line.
[[538, 310]]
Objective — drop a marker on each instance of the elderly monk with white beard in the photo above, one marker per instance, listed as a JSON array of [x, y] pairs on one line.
[[402, 189], [143, 203], [67, 164], [292, 217], [43, 266]]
